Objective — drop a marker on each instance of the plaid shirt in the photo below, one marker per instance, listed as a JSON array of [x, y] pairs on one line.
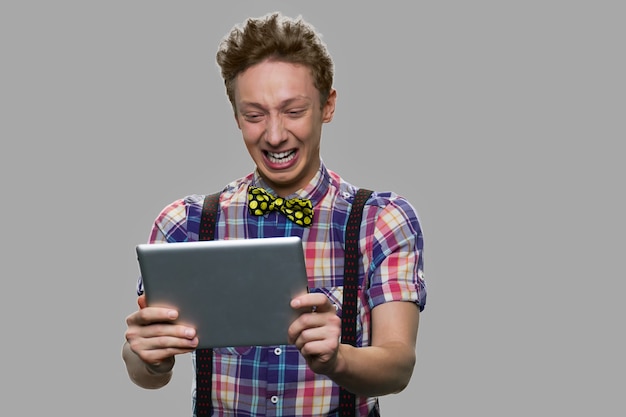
[[275, 380]]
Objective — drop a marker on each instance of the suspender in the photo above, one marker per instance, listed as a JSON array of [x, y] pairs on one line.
[[204, 357], [347, 400]]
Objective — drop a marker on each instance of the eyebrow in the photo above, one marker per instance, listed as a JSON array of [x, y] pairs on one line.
[[283, 104]]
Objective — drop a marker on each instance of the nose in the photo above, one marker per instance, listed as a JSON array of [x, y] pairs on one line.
[[275, 133]]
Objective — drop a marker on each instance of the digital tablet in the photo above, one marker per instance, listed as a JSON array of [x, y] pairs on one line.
[[234, 292]]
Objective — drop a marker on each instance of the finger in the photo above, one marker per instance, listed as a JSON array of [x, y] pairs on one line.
[[165, 338], [317, 302], [162, 343], [160, 330], [328, 331], [155, 356], [141, 301], [320, 349], [312, 326], [303, 322], [150, 315], [167, 330]]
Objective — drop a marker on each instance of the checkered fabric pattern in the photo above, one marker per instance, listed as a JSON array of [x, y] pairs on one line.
[[274, 380]]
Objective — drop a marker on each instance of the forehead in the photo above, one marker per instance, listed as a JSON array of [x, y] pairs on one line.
[[275, 80]]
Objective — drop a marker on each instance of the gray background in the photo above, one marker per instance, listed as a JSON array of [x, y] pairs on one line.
[[500, 121]]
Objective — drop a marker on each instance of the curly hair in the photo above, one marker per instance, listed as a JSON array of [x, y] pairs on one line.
[[275, 37]]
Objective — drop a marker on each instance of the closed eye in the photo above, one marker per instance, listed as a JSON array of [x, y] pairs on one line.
[[295, 113], [253, 117]]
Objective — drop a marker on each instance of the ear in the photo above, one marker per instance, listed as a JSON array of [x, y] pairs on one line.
[[328, 110]]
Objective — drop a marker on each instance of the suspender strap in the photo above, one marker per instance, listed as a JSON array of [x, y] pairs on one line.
[[204, 357], [347, 400], [209, 216]]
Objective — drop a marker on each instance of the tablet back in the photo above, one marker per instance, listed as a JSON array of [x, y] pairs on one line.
[[234, 292]]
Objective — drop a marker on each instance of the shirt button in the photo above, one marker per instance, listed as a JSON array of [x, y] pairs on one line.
[[274, 399], [278, 351]]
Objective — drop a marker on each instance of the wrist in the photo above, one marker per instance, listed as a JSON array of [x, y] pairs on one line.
[[340, 365]]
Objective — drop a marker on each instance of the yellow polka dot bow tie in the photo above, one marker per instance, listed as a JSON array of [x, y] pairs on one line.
[[298, 210]]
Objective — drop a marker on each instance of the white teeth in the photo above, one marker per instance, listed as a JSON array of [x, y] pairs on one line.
[[278, 155], [281, 157]]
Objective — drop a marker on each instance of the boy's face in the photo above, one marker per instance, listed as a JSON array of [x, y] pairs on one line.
[[280, 117]]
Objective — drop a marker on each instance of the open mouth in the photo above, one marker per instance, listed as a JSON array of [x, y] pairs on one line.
[[281, 157]]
